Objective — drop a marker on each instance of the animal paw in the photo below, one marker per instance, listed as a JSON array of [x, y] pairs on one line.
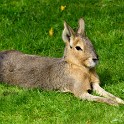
[[112, 102], [120, 101]]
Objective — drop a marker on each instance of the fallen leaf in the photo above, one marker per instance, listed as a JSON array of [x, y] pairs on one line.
[[62, 8], [51, 32]]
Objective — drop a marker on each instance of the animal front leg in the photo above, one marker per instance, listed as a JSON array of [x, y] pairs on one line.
[[106, 94], [95, 84], [89, 97], [84, 95]]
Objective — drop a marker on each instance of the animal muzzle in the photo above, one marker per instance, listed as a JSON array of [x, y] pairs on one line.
[[91, 62], [95, 60]]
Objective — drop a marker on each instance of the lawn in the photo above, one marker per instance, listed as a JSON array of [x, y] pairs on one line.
[[25, 26]]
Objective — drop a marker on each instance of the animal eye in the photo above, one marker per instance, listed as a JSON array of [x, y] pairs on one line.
[[78, 48]]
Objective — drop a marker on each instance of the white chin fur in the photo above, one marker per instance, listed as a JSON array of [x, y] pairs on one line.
[[92, 64]]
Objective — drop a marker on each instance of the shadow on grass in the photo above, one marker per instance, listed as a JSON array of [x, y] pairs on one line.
[[105, 77]]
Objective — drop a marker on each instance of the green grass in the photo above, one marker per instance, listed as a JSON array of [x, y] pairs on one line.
[[24, 26]]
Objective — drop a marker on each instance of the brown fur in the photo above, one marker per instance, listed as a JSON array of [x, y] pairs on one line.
[[74, 73]]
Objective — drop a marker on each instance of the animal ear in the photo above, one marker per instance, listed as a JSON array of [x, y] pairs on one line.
[[67, 33], [81, 27]]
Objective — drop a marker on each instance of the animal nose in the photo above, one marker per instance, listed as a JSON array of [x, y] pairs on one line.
[[95, 59]]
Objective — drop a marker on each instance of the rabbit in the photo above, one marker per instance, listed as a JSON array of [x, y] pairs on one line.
[[74, 72]]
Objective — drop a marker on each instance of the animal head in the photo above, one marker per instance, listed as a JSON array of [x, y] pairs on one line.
[[79, 49]]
